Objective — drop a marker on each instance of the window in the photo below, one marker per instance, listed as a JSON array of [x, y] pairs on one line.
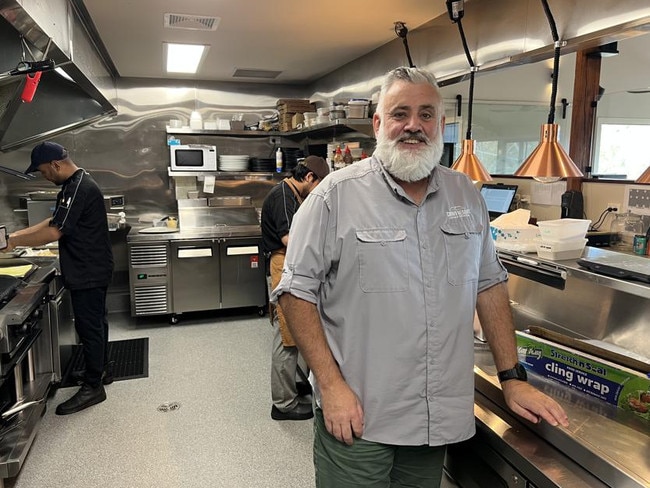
[[621, 148], [506, 133]]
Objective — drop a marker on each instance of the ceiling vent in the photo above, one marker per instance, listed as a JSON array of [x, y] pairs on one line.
[[191, 22], [256, 73]]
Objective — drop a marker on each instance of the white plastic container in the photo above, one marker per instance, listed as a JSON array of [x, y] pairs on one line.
[[210, 125], [196, 121], [357, 109], [559, 250], [563, 229]]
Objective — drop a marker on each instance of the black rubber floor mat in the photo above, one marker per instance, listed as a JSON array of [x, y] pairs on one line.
[[131, 359]]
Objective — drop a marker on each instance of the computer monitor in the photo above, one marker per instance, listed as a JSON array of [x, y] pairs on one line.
[[498, 198]]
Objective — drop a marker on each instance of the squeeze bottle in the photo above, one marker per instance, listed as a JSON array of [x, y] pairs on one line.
[[278, 161]]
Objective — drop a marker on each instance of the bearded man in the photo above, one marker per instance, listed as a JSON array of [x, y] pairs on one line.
[[394, 255]]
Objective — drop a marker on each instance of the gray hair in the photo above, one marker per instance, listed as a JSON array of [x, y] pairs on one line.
[[410, 75]]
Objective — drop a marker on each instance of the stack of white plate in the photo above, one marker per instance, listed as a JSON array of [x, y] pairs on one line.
[[233, 162]]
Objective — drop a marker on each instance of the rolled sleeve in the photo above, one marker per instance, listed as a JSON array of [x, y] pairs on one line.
[[492, 271]]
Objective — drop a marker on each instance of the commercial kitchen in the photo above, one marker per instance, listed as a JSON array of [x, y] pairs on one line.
[[189, 279]]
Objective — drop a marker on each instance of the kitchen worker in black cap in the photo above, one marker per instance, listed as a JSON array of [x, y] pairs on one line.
[[80, 225], [291, 400]]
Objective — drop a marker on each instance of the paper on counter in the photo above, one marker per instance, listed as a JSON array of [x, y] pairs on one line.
[[16, 271], [547, 193], [208, 184], [517, 219]]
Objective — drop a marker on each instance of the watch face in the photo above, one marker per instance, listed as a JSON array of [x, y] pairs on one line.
[[521, 372]]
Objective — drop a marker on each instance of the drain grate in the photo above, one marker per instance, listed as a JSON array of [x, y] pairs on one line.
[[169, 407]]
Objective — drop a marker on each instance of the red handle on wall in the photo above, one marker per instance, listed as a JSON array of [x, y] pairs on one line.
[[30, 86]]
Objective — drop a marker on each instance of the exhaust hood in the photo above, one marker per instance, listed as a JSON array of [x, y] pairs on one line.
[[62, 101]]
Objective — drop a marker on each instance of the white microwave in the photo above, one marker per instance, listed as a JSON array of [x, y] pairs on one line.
[[193, 157]]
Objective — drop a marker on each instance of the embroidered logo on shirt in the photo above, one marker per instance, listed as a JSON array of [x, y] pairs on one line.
[[458, 213]]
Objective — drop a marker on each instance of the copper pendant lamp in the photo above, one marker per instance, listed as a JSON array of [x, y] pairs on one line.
[[549, 161], [645, 176], [467, 162]]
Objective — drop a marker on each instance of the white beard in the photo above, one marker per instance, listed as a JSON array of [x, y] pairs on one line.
[[408, 165]]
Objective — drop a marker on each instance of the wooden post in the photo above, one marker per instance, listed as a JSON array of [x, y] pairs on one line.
[[583, 116]]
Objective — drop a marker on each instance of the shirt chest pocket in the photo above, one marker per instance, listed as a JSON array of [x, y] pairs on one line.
[[382, 260], [463, 239]]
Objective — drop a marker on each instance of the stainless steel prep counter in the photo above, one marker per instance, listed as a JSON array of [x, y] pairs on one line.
[[604, 446], [567, 298]]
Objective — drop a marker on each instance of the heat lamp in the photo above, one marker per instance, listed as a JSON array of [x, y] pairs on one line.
[[549, 162], [467, 162]]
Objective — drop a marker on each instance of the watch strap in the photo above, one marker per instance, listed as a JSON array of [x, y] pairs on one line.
[[516, 373]]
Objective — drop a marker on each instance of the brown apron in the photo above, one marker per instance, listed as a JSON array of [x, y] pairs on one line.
[[277, 263]]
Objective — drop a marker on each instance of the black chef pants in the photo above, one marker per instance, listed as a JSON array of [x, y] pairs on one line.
[[91, 324]]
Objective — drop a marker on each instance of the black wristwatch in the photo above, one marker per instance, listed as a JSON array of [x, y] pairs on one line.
[[516, 373]]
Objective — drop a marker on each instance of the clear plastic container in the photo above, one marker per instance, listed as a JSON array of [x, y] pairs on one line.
[[623, 229], [559, 250], [563, 229], [357, 108]]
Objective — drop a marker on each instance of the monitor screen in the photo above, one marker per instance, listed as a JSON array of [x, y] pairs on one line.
[[498, 198]]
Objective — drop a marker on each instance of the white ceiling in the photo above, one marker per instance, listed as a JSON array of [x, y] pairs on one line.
[[304, 39]]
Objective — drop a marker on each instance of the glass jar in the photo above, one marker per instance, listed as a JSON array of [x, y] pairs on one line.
[[623, 229]]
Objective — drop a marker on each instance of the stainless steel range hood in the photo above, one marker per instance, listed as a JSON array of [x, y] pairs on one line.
[[63, 101]]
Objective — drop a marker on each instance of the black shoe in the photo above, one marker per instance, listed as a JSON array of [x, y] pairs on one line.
[[79, 377], [302, 411], [107, 375], [84, 398], [304, 389]]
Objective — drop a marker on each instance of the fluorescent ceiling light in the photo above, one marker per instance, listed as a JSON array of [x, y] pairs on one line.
[[184, 58]]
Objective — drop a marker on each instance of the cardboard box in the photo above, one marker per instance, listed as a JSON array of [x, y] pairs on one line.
[[609, 382]]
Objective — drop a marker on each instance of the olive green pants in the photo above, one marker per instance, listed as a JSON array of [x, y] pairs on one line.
[[367, 464]]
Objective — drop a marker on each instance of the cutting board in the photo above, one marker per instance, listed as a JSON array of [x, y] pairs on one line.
[[158, 230]]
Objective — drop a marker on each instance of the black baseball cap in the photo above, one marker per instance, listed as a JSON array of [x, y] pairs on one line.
[[46, 152], [317, 165]]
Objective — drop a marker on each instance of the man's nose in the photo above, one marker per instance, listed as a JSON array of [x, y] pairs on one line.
[[413, 123]]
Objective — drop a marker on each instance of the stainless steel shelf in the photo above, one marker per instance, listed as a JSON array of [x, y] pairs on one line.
[[338, 126], [235, 175]]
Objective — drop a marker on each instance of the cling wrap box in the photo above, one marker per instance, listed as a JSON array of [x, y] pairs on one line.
[[610, 382]]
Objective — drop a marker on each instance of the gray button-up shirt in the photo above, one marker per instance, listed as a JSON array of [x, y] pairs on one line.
[[395, 285]]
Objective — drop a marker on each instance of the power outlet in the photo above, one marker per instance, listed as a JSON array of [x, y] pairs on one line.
[[615, 205]]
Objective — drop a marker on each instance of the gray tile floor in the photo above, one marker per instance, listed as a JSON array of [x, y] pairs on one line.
[[217, 368]]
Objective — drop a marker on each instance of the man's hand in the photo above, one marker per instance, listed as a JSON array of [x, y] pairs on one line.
[[10, 247], [530, 403], [342, 412]]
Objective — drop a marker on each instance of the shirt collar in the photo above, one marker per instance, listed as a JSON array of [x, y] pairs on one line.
[[397, 190]]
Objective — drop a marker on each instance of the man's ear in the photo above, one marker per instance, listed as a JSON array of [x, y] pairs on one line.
[[376, 122]]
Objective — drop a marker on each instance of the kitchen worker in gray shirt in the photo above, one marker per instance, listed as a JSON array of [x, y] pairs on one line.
[[394, 255]]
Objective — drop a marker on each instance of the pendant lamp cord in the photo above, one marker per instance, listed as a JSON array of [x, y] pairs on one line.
[[402, 32], [456, 18], [556, 59]]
